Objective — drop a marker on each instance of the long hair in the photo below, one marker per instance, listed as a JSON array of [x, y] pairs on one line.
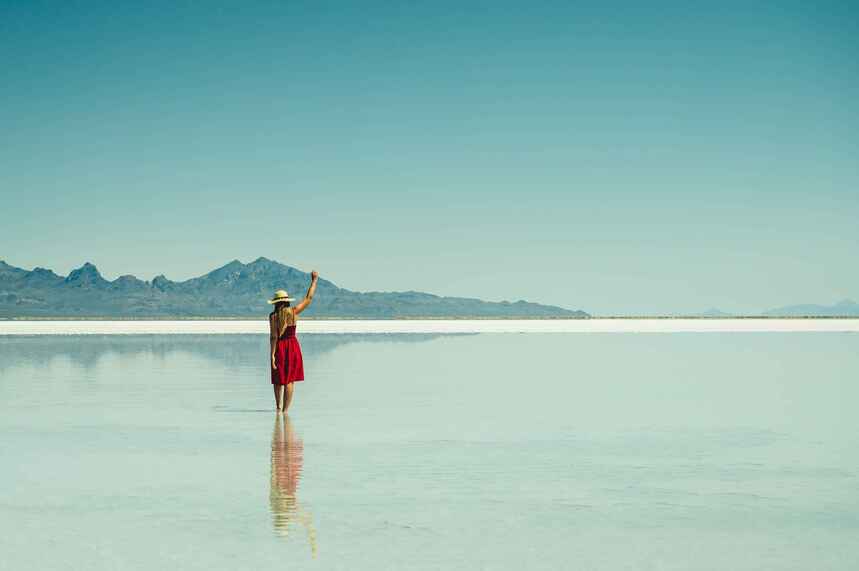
[[281, 312]]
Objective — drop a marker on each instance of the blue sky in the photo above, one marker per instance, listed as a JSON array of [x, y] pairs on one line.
[[616, 157]]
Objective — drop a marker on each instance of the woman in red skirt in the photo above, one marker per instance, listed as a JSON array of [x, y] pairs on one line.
[[287, 365]]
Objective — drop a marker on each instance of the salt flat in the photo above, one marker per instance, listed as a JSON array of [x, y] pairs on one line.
[[431, 451], [594, 325]]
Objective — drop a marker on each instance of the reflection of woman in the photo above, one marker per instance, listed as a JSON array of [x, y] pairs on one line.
[[287, 366], [287, 457]]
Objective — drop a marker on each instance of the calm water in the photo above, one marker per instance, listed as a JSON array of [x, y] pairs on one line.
[[495, 451]]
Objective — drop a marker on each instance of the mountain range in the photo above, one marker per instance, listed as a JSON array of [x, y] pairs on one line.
[[233, 290], [844, 308]]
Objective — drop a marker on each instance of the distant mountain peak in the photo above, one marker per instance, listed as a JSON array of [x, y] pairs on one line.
[[128, 278], [265, 264], [42, 272], [87, 274], [88, 268], [128, 282], [11, 272], [161, 283]]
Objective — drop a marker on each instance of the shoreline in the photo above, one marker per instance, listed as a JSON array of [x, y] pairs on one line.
[[10, 328], [427, 318]]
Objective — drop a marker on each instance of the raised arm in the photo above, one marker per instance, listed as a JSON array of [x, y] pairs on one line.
[[308, 298]]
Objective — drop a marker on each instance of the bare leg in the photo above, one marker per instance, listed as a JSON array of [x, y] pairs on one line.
[[289, 389], [278, 396]]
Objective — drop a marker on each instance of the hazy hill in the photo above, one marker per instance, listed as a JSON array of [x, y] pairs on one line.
[[843, 308], [714, 312], [234, 290]]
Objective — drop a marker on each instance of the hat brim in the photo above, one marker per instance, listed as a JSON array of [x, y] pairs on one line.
[[280, 299]]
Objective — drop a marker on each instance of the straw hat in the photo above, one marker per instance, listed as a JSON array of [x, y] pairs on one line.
[[281, 295]]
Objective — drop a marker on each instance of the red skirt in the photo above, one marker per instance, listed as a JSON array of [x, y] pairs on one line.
[[290, 364]]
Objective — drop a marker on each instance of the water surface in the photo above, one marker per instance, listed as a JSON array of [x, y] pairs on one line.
[[493, 451]]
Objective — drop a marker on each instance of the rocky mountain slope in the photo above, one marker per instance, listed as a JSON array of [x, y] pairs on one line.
[[233, 290]]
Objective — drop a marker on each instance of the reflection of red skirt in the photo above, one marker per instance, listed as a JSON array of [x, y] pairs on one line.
[[287, 355]]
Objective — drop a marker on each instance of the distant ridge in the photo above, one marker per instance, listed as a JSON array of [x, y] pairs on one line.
[[233, 290], [714, 312], [844, 308]]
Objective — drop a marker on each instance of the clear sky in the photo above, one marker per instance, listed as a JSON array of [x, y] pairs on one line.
[[616, 157]]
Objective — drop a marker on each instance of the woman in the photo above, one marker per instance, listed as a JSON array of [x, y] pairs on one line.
[[287, 365]]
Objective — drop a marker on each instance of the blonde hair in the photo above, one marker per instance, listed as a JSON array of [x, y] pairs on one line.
[[281, 316]]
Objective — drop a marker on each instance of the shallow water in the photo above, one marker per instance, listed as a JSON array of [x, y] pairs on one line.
[[495, 451], [438, 326]]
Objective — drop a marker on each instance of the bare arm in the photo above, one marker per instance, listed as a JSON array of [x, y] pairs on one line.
[[272, 337], [311, 291]]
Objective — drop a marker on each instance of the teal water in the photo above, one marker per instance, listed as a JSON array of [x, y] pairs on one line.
[[490, 451]]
